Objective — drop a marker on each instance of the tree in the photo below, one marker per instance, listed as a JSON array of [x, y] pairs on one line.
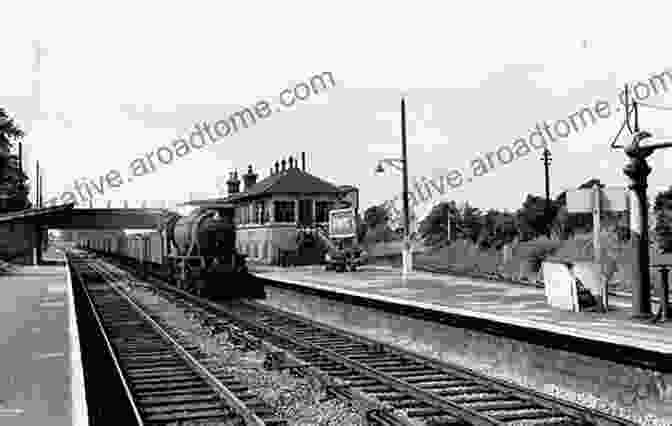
[[662, 209], [465, 223], [376, 225], [14, 191], [499, 228], [531, 218], [9, 131], [470, 222], [434, 229], [375, 216]]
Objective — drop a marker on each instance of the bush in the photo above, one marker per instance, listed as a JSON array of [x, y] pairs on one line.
[[536, 251]]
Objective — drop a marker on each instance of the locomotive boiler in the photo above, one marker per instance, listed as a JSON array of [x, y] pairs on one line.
[[203, 257]]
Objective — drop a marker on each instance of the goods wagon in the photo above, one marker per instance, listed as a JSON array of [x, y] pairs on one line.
[[198, 251]]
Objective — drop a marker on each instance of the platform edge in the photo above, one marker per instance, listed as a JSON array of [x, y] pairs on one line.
[[79, 410]]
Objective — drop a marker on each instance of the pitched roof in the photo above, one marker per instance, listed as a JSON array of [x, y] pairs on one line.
[[35, 212], [290, 181]]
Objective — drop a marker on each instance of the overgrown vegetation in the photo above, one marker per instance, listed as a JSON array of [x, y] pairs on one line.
[[14, 191], [448, 222], [483, 235]]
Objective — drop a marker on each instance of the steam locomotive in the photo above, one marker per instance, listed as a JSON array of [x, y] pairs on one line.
[[196, 253]]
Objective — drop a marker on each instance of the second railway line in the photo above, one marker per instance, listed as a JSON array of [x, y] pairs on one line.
[[426, 391]]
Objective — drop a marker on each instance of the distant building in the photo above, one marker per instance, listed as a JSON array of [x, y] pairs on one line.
[[270, 213]]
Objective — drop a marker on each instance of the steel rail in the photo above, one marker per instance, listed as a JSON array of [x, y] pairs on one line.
[[236, 404], [583, 415], [428, 398], [374, 410], [565, 407], [108, 344]]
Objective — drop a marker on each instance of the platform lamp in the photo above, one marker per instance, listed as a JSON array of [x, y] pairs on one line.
[[401, 164], [637, 170]]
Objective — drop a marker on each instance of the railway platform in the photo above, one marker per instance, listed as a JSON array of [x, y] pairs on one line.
[[41, 377], [515, 311]]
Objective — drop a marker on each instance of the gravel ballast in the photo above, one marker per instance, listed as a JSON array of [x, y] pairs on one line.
[[298, 400]]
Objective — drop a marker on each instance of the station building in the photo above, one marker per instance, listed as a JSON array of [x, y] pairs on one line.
[[270, 213]]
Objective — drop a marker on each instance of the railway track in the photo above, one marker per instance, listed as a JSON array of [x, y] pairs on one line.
[[425, 389], [169, 381]]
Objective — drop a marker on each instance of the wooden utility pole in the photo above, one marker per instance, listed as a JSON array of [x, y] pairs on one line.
[[407, 256], [547, 211], [41, 204], [37, 184]]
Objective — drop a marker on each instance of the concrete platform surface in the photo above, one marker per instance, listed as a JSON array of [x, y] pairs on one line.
[[40, 368], [495, 301]]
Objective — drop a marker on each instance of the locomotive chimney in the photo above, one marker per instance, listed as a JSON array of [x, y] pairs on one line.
[[233, 184], [303, 161], [283, 164], [250, 178]]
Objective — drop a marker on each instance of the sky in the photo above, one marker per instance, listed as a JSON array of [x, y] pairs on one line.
[[117, 81]]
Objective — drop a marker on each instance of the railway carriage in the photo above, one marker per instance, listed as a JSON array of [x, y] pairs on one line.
[[197, 252]]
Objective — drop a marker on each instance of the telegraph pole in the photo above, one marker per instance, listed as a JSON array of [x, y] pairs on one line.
[[546, 158], [407, 260], [37, 184]]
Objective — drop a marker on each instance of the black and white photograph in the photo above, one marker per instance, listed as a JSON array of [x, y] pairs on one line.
[[335, 214]]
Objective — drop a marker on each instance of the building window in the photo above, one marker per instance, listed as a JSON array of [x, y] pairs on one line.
[[260, 212], [284, 212], [306, 212], [322, 209], [247, 217]]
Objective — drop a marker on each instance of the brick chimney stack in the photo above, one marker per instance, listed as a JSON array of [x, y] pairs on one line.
[[250, 178], [291, 162], [233, 184], [283, 163], [277, 167], [303, 161]]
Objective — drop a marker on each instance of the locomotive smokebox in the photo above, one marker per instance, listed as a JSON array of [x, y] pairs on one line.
[[203, 232], [205, 258]]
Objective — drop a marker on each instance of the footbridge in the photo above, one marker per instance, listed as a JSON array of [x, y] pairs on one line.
[[68, 218], [23, 233]]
